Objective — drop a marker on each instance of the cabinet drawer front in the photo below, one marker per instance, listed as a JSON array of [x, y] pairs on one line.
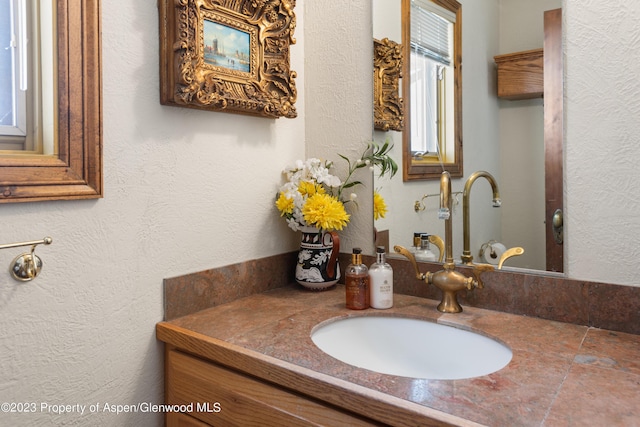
[[235, 399]]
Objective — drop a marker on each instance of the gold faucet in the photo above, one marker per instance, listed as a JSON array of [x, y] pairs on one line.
[[466, 257], [449, 281]]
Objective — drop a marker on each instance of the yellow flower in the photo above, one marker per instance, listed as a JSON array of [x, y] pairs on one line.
[[379, 206], [325, 211], [309, 188], [284, 204]]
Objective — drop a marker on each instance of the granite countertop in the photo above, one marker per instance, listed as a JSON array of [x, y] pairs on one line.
[[561, 374]]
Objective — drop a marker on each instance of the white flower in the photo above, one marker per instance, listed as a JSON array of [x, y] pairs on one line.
[[332, 181], [293, 224]]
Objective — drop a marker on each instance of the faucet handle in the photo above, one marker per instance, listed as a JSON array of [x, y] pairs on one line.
[[403, 251], [508, 254], [437, 240], [478, 269]]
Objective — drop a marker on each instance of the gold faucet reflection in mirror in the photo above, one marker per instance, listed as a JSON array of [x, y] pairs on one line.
[[466, 257]]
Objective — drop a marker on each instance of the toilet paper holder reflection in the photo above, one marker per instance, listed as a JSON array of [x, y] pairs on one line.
[[508, 253], [493, 254]]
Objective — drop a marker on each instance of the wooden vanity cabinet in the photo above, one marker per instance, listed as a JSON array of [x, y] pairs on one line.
[[220, 396], [521, 74], [178, 419]]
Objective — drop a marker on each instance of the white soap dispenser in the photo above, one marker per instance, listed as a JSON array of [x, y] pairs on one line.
[[424, 253], [416, 242], [381, 281]]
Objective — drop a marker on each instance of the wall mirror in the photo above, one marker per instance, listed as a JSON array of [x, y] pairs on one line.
[[432, 87], [503, 137], [67, 162]]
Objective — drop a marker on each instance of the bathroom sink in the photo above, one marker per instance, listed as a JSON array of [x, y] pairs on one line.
[[411, 347]]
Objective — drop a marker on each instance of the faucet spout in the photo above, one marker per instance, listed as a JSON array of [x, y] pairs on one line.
[[466, 257], [445, 213]]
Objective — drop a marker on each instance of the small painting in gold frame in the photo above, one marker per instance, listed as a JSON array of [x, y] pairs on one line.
[[228, 55]]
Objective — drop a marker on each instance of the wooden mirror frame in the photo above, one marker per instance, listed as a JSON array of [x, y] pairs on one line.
[[432, 170], [76, 171]]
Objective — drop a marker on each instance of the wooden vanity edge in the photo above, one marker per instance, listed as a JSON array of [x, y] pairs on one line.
[[361, 400]]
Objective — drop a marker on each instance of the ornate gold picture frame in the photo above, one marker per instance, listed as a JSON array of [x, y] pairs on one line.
[[228, 55], [387, 70]]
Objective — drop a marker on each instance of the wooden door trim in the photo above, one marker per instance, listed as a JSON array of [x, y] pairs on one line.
[[553, 132]]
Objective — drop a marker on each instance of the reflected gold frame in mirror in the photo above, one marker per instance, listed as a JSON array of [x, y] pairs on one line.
[[76, 171], [388, 106], [263, 86], [432, 168]]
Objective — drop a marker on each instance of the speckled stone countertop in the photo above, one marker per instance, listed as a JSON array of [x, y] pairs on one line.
[[561, 374]]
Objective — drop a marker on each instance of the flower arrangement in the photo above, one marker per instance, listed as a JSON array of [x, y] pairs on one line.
[[379, 206], [313, 196]]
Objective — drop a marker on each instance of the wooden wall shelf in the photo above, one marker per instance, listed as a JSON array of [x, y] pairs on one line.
[[520, 74]]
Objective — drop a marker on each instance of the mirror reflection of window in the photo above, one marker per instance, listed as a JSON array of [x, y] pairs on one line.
[[12, 97], [27, 78], [431, 81]]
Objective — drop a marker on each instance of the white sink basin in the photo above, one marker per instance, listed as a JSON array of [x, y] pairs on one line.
[[411, 347]]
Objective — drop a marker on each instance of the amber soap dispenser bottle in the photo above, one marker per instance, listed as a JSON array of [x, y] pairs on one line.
[[357, 282]]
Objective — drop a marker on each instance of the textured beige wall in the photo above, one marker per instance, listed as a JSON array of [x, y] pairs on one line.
[[339, 100], [185, 191], [602, 129]]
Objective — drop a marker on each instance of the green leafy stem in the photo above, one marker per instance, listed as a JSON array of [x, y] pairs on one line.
[[374, 155]]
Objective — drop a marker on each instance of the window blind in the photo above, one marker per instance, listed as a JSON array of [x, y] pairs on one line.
[[431, 30]]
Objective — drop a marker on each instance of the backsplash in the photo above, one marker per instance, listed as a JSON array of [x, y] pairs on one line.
[[196, 291], [600, 305]]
